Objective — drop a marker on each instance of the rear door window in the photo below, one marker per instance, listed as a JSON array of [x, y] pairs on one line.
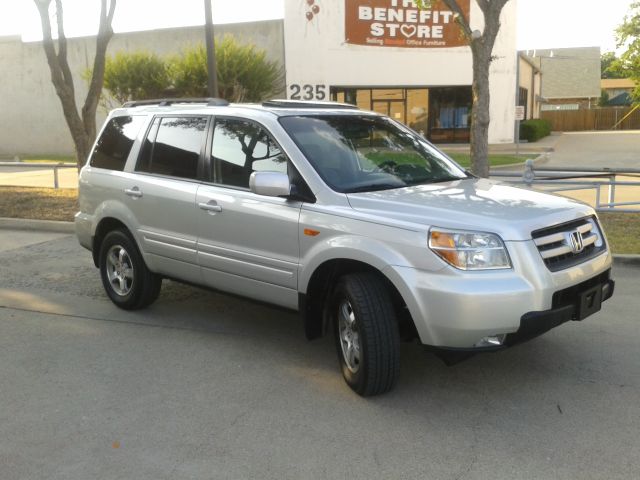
[[114, 145], [173, 147]]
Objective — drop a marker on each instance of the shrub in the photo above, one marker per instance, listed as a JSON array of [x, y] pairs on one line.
[[135, 76], [244, 73], [534, 130]]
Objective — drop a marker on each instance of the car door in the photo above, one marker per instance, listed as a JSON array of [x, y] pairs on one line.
[[247, 243], [161, 193]]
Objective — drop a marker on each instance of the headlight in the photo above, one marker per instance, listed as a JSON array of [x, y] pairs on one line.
[[469, 250]]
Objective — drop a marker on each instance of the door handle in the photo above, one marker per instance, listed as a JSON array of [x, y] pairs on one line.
[[133, 192], [210, 207]]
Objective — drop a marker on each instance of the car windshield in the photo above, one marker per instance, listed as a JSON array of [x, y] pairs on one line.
[[367, 153]]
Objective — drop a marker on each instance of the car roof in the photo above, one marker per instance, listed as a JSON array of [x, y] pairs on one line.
[[278, 108]]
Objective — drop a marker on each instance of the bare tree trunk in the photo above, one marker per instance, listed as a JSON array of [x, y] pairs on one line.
[[481, 48], [480, 116], [82, 128]]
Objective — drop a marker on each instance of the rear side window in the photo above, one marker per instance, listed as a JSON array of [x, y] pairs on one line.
[[173, 147], [114, 145]]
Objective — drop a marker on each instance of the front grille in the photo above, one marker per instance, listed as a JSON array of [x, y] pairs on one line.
[[563, 246]]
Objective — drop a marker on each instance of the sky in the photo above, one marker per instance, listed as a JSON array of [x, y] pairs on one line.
[[541, 23]]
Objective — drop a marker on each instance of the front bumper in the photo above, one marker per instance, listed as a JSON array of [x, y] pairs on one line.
[[457, 310], [568, 305]]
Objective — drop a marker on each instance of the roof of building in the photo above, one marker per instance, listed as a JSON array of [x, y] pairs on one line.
[[621, 99], [568, 72]]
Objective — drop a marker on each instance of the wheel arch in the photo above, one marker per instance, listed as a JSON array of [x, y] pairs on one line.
[[320, 286], [104, 226]]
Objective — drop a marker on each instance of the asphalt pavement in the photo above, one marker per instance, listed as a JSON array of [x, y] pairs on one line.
[[204, 385]]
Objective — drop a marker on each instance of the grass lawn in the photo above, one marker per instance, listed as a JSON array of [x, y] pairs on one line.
[[622, 229], [48, 159], [39, 203], [464, 159]]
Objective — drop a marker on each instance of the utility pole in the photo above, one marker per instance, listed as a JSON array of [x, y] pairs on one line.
[[212, 75]]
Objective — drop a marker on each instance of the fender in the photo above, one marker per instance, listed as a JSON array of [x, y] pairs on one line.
[[117, 210], [373, 252]]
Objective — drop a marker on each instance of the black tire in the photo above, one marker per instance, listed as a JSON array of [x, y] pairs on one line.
[[125, 277], [367, 302]]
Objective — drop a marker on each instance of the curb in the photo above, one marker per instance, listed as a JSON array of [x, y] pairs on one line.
[[541, 158], [630, 260], [37, 225]]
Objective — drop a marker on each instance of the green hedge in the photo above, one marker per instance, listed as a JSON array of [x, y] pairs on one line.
[[534, 130]]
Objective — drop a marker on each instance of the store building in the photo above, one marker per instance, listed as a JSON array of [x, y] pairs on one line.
[[571, 77], [382, 55], [393, 58], [529, 86]]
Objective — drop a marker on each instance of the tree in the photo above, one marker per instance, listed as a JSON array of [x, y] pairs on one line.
[[82, 125], [604, 99], [628, 36], [481, 44], [608, 66]]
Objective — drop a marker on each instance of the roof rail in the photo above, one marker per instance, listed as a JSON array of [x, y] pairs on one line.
[[304, 104], [166, 102]]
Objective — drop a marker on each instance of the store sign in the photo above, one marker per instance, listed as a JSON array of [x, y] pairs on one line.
[[400, 23]]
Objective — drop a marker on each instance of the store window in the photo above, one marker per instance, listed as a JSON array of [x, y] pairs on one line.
[[450, 114], [440, 114]]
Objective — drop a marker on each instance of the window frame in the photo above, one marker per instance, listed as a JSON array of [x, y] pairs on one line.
[[152, 131]]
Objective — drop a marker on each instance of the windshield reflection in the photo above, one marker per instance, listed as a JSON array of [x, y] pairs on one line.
[[361, 153]]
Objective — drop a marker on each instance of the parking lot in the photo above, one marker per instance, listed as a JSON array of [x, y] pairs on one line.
[[203, 385]]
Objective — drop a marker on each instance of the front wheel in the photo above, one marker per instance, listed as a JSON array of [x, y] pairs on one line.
[[366, 333], [125, 277]]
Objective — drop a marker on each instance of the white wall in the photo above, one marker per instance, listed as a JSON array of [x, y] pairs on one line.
[[316, 54], [31, 118]]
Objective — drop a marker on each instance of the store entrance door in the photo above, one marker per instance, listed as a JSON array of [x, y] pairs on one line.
[[396, 109]]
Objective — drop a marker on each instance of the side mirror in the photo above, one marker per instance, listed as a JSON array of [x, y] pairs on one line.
[[270, 184]]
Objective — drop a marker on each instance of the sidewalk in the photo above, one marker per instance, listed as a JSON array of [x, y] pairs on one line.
[[543, 145], [35, 177]]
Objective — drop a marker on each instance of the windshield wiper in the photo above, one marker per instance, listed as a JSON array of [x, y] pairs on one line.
[[374, 187], [428, 181]]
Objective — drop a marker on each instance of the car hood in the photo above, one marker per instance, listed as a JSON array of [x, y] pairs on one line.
[[472, 204]]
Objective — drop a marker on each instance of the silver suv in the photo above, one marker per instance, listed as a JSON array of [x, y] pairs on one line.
[[346, 216]]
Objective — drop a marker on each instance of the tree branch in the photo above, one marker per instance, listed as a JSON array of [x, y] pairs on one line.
[[62, 48], [105, 32]]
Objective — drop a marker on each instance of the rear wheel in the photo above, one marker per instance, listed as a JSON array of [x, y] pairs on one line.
[[366, 333], [125, 277]]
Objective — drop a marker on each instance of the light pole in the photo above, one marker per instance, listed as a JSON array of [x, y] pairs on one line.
[[212, 75]]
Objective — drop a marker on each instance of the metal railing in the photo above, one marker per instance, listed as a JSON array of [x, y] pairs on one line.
[[41, 166], [570, 179]]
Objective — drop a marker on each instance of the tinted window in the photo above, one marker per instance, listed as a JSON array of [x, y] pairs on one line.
[[240, 148], [365, 153], [114, 145], [173, 146]]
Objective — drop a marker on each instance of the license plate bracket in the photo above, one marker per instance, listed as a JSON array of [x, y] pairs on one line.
[[590, 302]]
